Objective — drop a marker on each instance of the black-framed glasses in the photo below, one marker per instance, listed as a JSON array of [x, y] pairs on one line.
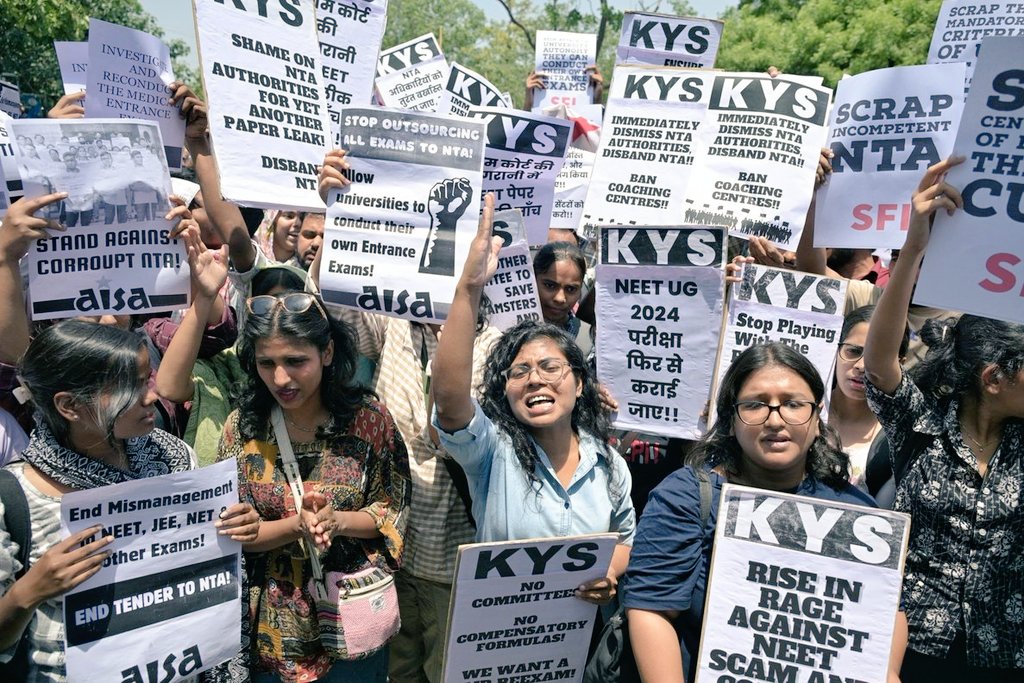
[[295, 302], [793, 412], [550, 370], [851, 353]]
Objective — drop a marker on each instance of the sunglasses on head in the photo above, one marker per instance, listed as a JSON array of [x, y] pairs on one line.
[[296, 302]]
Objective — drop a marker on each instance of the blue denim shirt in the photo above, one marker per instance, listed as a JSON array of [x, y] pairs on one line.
[[507, 507]]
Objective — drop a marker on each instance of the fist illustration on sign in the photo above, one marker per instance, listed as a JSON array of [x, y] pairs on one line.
[[448, 200]]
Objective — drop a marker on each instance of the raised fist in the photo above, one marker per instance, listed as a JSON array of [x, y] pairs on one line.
[[449, 199]]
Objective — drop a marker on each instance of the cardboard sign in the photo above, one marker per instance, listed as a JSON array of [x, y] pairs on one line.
[[962, 25], [665, 40], [412, 75], [350, 32], [563, 59]]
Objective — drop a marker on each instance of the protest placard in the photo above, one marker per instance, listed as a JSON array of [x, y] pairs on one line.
[[167, 597], [647, 147], [512, 292], [665, 40], [5, 199], [117, 259], [758, 154], [73, 60], [350, 32], [396, 238], [524, 155], [412, 75], [801, 590], [466, 89], [127, 74], [10, 99], [660, 294], [9, 161], [963, 24], [562, 58], [513, 614], [887, 127], [573, 180], [268, 116], [801, 310], [975, 260]]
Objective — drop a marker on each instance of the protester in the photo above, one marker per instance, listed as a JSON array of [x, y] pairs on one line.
[[355, 473], [535, 447], [768, 434], [277, 236], [956, 429], [560, 268], [94, 427]]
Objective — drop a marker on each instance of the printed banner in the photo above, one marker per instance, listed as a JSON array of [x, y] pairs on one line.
[[73, 60], [168, 596], [512, 292], [10, 99], [887, 127], [350, 32], [524, 155], [514, 616], [665, 40], [975, 260], [574, 179], [962, 26], [466, 89], [412, 75], [127, 75], [5, 199], [562, 59], [115, 258], [801, 590], [800, 310], [660, 294], [8, 160], [268, 116], [397, 238]]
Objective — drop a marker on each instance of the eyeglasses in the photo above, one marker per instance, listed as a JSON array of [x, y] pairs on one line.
[[296, 302], [792, 412], [550, 370], [851, 353]]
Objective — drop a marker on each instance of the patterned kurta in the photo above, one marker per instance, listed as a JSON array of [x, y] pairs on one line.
[[367, 469]]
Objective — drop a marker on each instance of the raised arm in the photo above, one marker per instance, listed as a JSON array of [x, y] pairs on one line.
[[452, 373], [881, 351], [808, 258]]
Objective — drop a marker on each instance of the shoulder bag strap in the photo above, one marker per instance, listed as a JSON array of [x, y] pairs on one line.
[[291, 473], [16, 516]]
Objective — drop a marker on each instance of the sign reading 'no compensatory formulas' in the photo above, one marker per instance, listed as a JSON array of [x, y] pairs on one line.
[[801, 590], [664, 40], [659, 300]]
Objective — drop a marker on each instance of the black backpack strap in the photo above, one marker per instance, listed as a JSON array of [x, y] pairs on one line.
[[16, 516], [458, 476], [705, 496]]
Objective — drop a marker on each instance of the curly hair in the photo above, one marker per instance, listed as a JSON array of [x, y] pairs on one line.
[[826, 460], [340, 395], [587, 414]]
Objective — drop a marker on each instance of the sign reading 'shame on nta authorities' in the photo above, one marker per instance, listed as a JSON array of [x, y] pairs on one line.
[[801, 590]]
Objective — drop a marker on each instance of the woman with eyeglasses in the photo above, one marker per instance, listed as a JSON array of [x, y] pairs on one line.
[[535, 447], [768, 434], [355, 475]]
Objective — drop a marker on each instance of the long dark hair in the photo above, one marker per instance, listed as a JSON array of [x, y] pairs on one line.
[[340, 395], [825, 457], [87, 360], [587, 414], [958, 352]]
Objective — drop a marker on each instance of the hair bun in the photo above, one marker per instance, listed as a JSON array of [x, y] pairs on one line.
[[938, 332]]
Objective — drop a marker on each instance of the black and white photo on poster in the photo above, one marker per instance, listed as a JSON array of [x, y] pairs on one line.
[[666, 40], [269, 122], [524, 155], [562, 58], [412, 75], [115, 256], [350, 32], [660, 293], [963, 24], [397, 236]]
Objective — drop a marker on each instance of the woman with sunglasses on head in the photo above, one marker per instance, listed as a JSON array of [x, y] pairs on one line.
[[956, 427], [355, 482], [768, 434], [535, 447]]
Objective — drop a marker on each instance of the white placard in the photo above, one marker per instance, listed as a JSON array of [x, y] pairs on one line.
[[512, 292], [397, 237], [467, 89], [887, 127], [660, 293], [268, 116], [802, 589], [10, 99], [665, 40], [127, 77], [9, 161], [513, 612], [73, 60], [5, 199], [412, 75], [168, 597], [562, 58], [800, 310], [574, 178], [350, 32], [524, 155], [115, 257], [963, 24], [975, 259]]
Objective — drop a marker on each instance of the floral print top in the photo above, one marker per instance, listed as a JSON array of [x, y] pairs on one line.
[[965, 564], [365, 469]]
